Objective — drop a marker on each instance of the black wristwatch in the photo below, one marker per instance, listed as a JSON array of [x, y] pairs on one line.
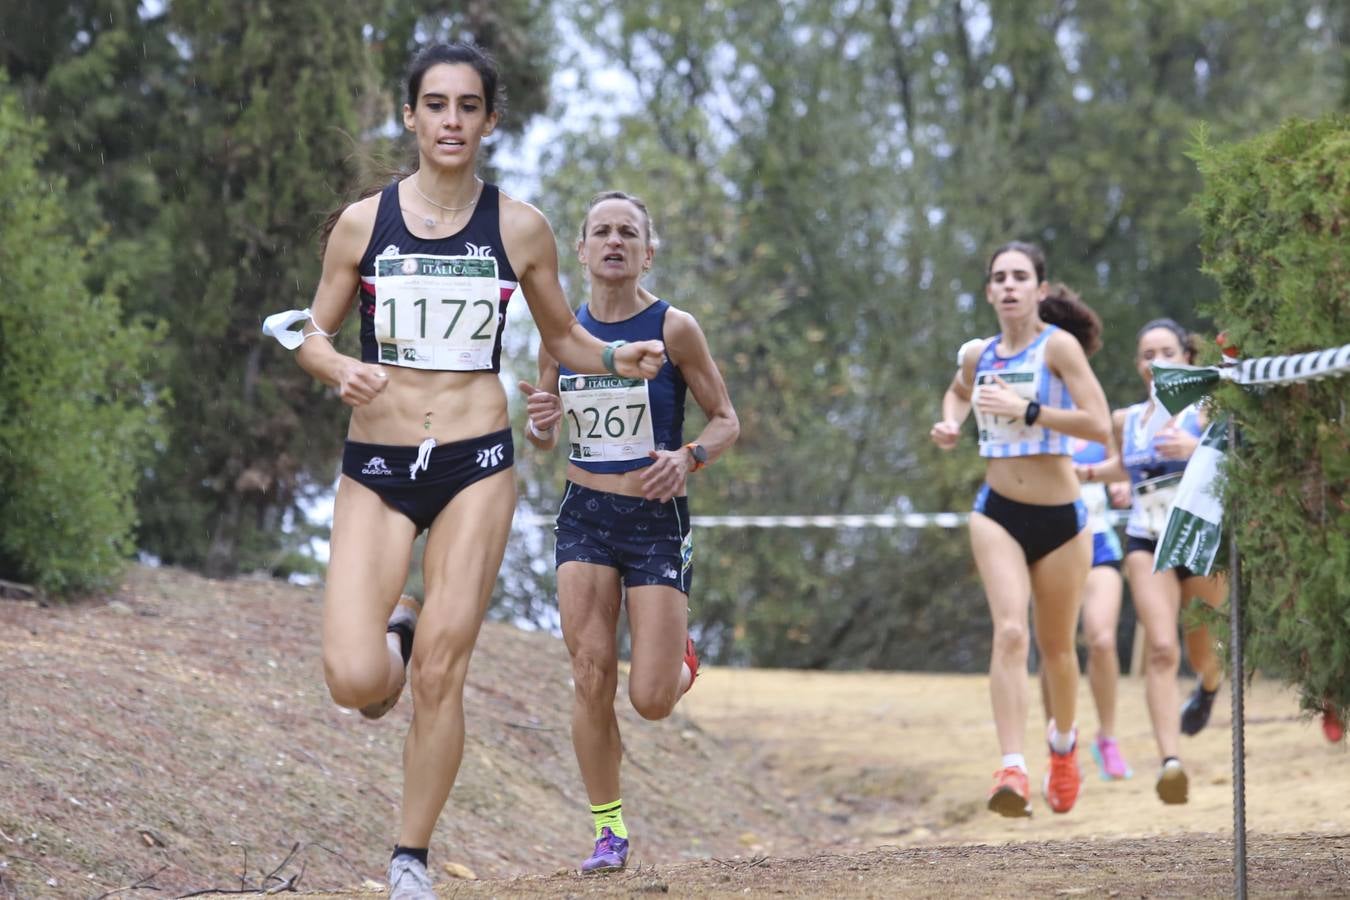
[[1033, 410], [700, 454]]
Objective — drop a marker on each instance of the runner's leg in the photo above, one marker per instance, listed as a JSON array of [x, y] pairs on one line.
[[463, 555], [1007, 587], [658, 621], [369, 552], [1156, 597], [1101, 616], [589, 598]]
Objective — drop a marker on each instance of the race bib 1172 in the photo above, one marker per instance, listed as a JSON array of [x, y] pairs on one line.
[[437, 312]]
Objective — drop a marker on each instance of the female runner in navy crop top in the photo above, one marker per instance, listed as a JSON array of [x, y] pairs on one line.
[[624, 521], [433, 260]]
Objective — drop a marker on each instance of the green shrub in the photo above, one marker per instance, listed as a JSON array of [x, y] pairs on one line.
[[76, 420], [1275, 214]]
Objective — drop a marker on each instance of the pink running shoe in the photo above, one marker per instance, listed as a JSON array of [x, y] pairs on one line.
[[1106, 751]]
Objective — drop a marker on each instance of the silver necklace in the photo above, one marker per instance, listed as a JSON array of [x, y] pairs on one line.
[[432, 223]]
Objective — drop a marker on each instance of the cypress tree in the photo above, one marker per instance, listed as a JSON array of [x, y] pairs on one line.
[[260, 151]]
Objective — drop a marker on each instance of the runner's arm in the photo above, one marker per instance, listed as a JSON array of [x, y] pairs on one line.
[[357, 383], [956, 399], [666, 477], [1091, 417], [688, 348], [543, 405], [1110, 469]]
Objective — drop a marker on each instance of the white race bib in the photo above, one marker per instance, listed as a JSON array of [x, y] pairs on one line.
[[437, 312], [610, 417], [1153, 501], [1001, 429]]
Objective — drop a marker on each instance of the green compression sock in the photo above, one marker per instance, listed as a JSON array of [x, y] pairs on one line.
[[610, 815]]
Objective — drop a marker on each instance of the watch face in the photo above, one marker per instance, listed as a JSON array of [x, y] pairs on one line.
[[700, 452]]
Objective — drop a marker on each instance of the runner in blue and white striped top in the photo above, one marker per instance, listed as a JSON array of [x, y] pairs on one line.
[[1032, 390], [1027, 373]]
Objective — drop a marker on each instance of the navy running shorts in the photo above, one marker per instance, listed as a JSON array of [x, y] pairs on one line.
[[648, 541], [1133, 544]]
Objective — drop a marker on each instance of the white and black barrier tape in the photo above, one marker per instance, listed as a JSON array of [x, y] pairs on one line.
[[877, 520], [1289, 369]]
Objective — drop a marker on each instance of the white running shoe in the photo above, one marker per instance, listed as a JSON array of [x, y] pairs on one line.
[[408, 879], [1172, 782]]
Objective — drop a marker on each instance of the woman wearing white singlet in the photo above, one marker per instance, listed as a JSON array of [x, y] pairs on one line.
[[1154, 468]]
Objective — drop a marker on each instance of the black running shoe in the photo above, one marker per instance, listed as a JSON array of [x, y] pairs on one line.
[[403, 618], [1195, 711]]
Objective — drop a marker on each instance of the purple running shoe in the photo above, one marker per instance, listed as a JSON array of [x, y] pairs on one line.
[[611, 854]]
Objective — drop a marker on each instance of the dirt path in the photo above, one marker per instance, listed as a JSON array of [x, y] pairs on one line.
[[906, 759], [177, 736]]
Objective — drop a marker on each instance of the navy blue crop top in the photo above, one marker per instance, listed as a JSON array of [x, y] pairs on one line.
[[480, 239]]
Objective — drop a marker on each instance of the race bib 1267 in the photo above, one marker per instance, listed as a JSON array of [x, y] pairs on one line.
[[610, 417]]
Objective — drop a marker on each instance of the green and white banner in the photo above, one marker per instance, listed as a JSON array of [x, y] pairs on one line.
[[1191, 537], [1194, 527], [1177, 387]]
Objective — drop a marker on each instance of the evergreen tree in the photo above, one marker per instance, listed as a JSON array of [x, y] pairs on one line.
[[260, 148], [76, 418]]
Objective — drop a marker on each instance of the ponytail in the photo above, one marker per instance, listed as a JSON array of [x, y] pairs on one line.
[[1063, 307]]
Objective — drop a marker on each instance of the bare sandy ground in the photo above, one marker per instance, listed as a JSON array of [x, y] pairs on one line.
[[904, 759]]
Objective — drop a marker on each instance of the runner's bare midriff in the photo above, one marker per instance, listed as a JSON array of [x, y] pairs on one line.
[[627, 484], [1043, 480], [463, 405]]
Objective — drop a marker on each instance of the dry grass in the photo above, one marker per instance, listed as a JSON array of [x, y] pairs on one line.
[[180, 729]]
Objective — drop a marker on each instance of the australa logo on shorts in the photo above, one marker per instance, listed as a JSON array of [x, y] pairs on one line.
[[491, 456], [375, 466]]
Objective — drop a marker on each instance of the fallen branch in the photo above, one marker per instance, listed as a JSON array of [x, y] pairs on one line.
[[12, 590], [283, 884], [142, 884]]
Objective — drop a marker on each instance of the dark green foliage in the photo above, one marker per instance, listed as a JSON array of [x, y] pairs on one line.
[[1275, 213], [260, 152], [76, 417], [828, 178]]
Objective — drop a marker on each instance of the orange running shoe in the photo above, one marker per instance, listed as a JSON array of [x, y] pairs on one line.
[[1011, 794], [1062, 781], [690, 660]]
